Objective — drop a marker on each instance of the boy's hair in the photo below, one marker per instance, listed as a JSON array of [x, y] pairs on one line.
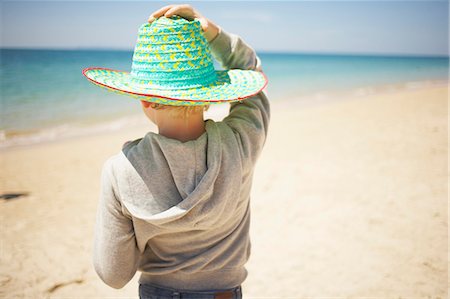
[[180, 111]]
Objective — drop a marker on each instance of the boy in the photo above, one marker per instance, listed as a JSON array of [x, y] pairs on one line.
[[175, 205]]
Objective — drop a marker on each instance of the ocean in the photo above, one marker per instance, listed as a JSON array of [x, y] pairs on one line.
[[44, 96]]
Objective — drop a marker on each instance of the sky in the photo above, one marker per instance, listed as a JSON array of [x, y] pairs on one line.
[[342, 27]]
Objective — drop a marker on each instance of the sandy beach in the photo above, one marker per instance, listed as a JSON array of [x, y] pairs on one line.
[[349, 201]]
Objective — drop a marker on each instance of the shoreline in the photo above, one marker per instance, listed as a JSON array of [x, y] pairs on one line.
[[68, 131]]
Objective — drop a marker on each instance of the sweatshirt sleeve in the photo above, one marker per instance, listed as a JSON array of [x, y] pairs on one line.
[[248, 118], [115, 255], [232, 52]]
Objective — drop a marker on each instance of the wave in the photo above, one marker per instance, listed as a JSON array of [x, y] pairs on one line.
[[9, 139]]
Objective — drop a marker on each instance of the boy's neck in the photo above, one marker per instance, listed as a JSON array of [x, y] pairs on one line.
[[183, 129]]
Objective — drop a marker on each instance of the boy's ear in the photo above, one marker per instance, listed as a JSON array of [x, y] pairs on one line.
[[145, 104]]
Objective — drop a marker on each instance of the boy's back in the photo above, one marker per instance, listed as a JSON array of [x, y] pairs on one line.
[[179, 212]]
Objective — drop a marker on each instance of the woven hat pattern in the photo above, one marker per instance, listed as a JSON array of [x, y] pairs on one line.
[[187, 64], [172, 64]]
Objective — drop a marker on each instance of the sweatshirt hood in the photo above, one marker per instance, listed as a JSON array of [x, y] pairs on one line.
[[163, 179]]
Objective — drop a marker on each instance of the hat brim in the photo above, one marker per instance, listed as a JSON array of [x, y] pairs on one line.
[[230, 86]]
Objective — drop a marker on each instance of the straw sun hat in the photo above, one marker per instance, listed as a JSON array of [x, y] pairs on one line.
[[172, 65]]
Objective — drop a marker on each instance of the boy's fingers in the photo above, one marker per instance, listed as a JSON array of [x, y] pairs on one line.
[[203, 23], [172, 11], [162, 10], [159, 12], [181, 11]]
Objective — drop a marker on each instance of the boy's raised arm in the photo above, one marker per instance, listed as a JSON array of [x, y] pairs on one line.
[[232, 52], [250, 117]]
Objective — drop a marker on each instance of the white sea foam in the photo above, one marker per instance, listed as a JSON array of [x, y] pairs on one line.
[[65, 131]]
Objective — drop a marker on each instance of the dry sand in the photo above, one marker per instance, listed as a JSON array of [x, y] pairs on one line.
[[349, 201]]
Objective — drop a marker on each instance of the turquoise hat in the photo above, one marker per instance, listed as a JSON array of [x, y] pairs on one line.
[[172, 65]]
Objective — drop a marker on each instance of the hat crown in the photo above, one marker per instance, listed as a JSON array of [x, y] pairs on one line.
[[172, 53]]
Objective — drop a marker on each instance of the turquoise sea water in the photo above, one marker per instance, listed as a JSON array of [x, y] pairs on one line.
[[45, 90]]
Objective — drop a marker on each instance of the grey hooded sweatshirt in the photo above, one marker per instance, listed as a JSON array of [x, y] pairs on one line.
[[179, 212]]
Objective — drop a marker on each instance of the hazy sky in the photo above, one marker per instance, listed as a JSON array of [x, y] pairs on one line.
[[370, 27]]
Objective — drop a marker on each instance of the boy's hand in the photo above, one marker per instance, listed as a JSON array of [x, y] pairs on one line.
[[210, 30]]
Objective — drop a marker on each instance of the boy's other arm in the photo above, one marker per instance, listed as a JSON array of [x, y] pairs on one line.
[[116, 255], [250, 117], [232, 52]]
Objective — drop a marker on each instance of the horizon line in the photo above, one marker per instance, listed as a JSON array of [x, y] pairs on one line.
[[286, 52]]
